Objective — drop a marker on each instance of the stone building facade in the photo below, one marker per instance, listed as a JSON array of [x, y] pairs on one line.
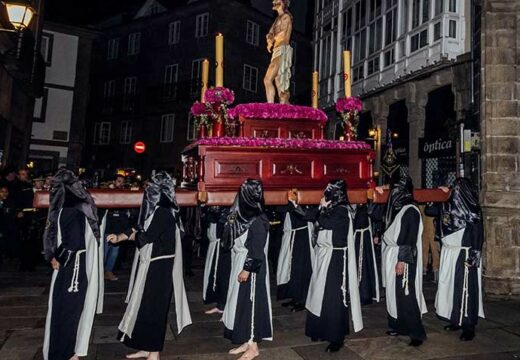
[[500, 108]]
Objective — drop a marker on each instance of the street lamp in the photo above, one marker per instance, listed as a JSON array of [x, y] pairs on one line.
[[20, 13]]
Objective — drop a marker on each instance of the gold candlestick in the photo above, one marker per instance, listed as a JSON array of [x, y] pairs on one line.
[[315, 81], [219, 60], [205, 77], [347, 73]]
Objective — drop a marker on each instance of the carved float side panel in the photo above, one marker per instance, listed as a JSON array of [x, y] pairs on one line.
[[265, 132], [355, 169], [233, 168], [292, 168], [282, 128], [302, 134]]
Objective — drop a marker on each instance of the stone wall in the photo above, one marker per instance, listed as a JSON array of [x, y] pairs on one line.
[[500, 125]]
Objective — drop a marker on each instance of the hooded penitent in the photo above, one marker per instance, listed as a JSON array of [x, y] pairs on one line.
[[248, 205], [336, 193], [462, 207], [67, 191], [401, 194], [160, 191]]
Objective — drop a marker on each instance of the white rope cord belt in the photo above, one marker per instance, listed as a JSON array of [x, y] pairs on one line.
[[217, 255], [406, 280], [465, 288], [74, 281], [344, 273], [291, 246], [361, 248], [252, 298]]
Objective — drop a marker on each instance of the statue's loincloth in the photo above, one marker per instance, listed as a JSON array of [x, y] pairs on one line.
[[284, 73]]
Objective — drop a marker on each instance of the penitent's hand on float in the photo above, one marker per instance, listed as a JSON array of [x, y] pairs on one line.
[[445, 189], [324, 203]]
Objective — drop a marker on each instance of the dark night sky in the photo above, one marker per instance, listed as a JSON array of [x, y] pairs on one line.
[[89, 12], [85, 12]]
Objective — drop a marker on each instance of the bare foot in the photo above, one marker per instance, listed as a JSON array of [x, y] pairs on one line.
[[75, 357], [138, 355], [251, 353], [153, 356], [215, 310], [239, 350]]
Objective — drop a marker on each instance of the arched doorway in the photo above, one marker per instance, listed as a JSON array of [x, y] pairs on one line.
[[438, 147]]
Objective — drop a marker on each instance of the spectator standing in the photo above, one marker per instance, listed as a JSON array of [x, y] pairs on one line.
[[28, 244], [117, 221], [7, 224]]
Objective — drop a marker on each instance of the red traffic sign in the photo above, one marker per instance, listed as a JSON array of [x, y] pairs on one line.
[[139, 147]]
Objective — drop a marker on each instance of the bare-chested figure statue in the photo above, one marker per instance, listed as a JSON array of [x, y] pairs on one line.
[[278, 43]]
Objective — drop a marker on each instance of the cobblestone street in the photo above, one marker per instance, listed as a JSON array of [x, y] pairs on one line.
[[23, 306]]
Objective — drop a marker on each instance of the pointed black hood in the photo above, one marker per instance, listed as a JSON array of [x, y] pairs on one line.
[[248, 205], [160, 191], [462, 208], [401, 194]]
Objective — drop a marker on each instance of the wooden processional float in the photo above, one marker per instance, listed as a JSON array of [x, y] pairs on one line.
[[280, 144]]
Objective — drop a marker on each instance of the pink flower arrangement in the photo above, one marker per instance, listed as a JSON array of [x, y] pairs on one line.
[[279, 143], [219, 95], [349, 109], [350, 104], [199, 109], [277, 111], [201, 113], [214, 109]]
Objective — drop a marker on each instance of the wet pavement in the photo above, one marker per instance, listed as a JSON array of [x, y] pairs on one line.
[[23, 306]]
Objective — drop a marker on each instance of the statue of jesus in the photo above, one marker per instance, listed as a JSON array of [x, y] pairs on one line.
[[278, 43]]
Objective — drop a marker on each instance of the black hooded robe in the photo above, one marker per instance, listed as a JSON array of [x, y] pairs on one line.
[[76, 292], [367, 267], [465, 307], [247, 314], [67, 303], [300, 258], [333, 323], [409, 310], [217, 277], [157, 247]]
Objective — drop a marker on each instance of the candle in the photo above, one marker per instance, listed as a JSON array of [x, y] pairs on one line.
[[219, 60], [346, 73], [205, 76], [315, 80]]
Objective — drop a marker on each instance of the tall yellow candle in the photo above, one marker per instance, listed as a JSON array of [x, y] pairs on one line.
[[315, 81], [205, 79], [219, 60], [347, 73]]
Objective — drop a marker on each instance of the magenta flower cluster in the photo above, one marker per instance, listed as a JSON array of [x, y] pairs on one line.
[[279, 143], [277, 111], [219, 95], [349, 104], [199, 109]]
